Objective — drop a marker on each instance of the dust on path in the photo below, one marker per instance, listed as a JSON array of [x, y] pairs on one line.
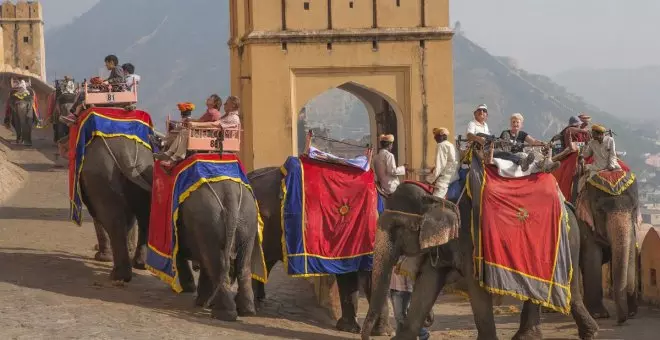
[[50, 287]]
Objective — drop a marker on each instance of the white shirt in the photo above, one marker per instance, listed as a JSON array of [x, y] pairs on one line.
[[387, 171], [604, 155], [230, 120], [132, 79], [475, 127], [445, 165]]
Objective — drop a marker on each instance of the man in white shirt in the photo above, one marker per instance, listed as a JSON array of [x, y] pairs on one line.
[[444, 171], [478, 125], [603, 150], [385, 166]]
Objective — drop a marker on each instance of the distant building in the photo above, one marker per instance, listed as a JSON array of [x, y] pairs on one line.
[[22, 40], [651, 216]]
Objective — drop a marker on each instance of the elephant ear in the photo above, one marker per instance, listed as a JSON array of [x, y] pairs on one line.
[[438, 225]]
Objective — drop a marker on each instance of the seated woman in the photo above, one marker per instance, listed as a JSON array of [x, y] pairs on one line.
[[518, 138], [178, 140]]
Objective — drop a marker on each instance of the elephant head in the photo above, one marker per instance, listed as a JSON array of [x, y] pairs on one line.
[[413, 223]]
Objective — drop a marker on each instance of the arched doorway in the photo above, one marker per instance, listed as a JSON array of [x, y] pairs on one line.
[[351, 114]]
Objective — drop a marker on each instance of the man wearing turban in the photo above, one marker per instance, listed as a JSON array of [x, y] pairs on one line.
[[603, 151], [445, 163], [385, 166]]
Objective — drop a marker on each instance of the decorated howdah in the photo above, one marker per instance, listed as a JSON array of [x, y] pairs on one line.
[[613, 182], [520, 235], [170, 191], [330, 214], [101, 122]]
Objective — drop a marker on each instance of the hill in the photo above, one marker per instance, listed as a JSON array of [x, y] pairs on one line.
[[179, 48], [624, 92]]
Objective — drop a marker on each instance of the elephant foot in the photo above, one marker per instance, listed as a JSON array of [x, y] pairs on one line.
[[599, 313], [632, 305], [139, 262], [224, 315], [348, 325], [246, 310], [189, 286], [384, 330], [529, 334], [103, 256], [245, 305], [121, 274]]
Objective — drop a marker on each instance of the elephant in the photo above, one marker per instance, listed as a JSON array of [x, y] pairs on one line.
[[218, 228], [611, 240], [266, 183], [115, 182], [410, 212], [63, 104], [22, 116]]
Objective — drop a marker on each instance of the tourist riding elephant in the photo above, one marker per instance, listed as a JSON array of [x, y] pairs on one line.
[[218, 228], [414, 218], [115, 183], [612, 239], [22, 115], [267, 183]]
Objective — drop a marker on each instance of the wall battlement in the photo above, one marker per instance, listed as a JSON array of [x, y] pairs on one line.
[[22, 38]]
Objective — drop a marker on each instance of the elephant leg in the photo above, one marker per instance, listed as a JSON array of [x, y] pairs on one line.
[[587, 326], [348, 295], [117, 231], [482, 310], [591, 259], [222, 301], [104, 251], [186, 278], [382, 326], [27, 131], [243, 273], [204, 288], [530, 322], [141, 204], [428, 284]]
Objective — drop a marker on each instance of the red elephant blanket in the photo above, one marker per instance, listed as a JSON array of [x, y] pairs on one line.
[[520, 237]]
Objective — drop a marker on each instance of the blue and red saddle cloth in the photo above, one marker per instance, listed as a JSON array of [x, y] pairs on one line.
[[330, 214], [101, 122], [170, 191]]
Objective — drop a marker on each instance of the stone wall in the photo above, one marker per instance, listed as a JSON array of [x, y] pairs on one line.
[[22, 40]]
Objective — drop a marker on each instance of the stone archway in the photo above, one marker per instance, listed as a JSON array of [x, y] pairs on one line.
[[369, 110]]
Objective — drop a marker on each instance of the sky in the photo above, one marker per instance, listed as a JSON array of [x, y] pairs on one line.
[[544, 36]]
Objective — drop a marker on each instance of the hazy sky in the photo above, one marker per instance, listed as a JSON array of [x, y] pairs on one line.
[[545, 36]]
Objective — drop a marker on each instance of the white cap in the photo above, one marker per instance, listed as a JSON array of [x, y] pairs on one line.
[[482, 107]]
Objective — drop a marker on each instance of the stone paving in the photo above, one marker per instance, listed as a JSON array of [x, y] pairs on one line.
[[50, 287]]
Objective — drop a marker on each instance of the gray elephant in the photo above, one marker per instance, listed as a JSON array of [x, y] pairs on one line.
[[266, 183], [218, 229], [611, 239], [22, 115], [415, 215], [115, 183], [63, 103]]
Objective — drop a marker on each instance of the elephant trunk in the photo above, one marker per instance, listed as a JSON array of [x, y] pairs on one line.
[[385, 256], [619, 228]]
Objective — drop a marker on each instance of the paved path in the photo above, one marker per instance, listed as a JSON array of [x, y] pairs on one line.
[[50, 287]]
